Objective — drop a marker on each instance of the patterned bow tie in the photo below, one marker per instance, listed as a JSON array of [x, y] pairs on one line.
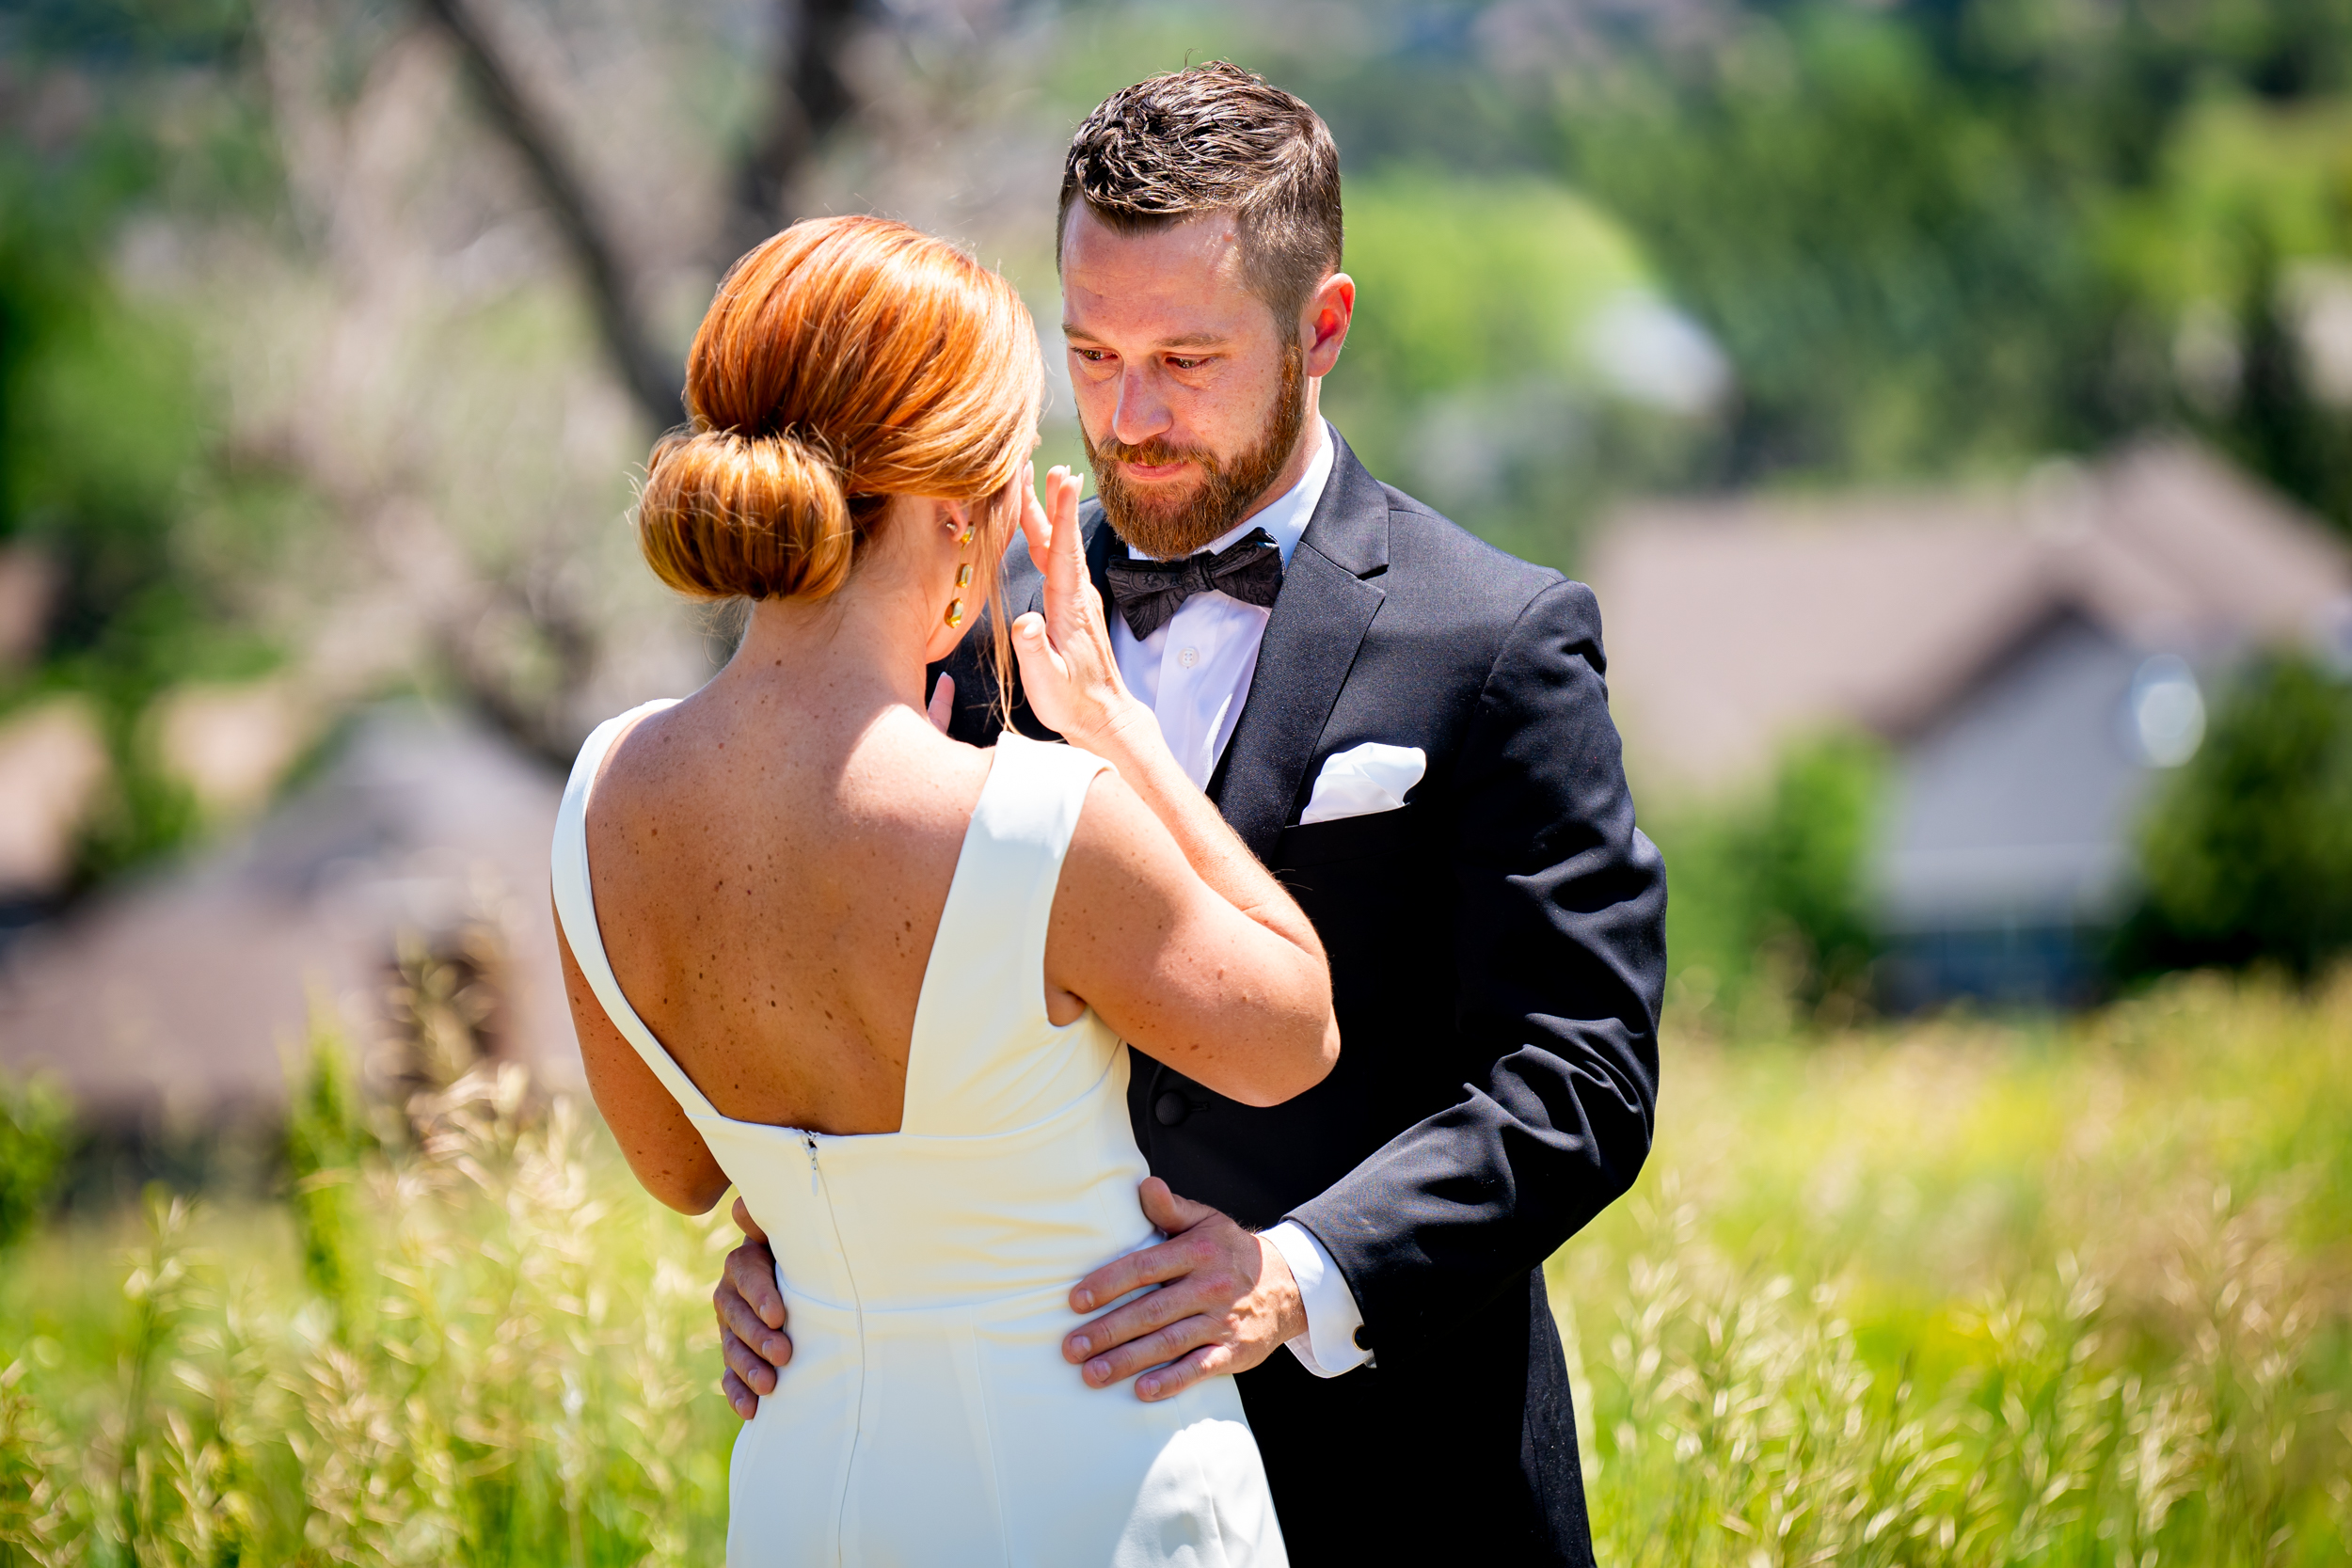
[[1150, 593]]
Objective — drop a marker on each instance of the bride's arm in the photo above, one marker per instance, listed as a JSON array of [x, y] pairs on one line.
[[667, 1154], [1178, 969], [1164, 920]]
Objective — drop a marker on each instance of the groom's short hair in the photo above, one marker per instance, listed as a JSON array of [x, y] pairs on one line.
[[1209, 139]]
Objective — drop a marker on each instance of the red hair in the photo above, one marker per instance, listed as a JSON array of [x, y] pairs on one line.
[[844, 361]]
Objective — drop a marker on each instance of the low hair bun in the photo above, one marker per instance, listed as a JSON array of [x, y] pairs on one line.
[[844, 363], [726, 516]]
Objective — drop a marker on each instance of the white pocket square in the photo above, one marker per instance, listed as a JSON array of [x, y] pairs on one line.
[[1362, 780]]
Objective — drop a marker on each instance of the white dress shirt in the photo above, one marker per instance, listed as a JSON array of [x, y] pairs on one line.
[[1194, 675]]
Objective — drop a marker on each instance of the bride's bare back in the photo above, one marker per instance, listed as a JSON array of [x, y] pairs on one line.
[[770, 860], [769, 894]]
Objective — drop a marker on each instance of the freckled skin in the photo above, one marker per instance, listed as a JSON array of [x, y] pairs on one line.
[[808, 776]]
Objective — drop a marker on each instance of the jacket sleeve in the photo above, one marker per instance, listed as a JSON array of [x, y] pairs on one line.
[[1559, 947]]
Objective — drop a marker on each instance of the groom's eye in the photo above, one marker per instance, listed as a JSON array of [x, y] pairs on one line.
[[1181, 363], [1092, 356]]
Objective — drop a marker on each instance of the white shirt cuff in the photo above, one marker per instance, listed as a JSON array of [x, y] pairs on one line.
[[1329, 1347]]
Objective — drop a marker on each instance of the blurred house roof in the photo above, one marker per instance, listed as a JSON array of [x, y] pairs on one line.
[[179, 996], [1734, 624]]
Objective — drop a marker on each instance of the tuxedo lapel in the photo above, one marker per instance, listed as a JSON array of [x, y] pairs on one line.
[[1101, 542], [1331, 593]]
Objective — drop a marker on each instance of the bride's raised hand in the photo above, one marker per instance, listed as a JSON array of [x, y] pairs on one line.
[[1068, 671]]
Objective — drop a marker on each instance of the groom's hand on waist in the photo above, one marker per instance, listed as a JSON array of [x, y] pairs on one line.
[[1226, 1301], [751, 1319]]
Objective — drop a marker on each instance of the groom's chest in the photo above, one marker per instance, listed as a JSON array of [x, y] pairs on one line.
[[1354, 856], [1195, 673], [1260, 705]]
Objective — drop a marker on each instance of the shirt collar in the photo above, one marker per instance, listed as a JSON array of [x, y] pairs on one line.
[[1285, 519]]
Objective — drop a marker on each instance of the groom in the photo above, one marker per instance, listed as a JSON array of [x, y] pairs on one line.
[[1411, 729]]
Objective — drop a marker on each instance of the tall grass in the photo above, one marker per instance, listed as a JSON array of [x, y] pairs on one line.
[[1967, 1292], [1982, 1293], [496, 1351]]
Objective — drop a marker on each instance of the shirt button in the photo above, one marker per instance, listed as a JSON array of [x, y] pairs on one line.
[[1187, 657]]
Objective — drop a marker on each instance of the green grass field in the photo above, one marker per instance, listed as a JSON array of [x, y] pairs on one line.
[[1958, 1292]]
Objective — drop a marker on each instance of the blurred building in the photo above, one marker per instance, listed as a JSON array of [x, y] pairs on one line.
[[401, 892], [2033, 659]]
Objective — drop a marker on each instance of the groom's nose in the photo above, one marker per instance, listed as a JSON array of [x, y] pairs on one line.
[[1142, 412]]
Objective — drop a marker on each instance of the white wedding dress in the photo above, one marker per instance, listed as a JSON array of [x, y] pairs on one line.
[[926, 1418]]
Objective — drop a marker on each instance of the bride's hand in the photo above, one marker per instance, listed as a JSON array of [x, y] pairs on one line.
[[1068, 671]]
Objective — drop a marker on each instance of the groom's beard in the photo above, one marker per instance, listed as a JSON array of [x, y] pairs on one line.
[[1178, 525]]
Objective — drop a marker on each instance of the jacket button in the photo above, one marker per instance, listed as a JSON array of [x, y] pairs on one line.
[[1364, 1337], [1169, 1109]]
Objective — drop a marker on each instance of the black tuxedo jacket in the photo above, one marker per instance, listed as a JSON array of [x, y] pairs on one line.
[[1498, 957]]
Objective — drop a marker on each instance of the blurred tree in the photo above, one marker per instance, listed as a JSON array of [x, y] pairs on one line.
[[2272, 419], [1895, 264], [106, 452], [1773, 889], [650, 371], [1475, 374], [809, 97], [35, 1126], [2246, 854], [1947, 235]]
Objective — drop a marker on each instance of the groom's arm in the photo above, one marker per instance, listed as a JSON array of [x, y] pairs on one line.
[[1560, 959], [1560, 951]]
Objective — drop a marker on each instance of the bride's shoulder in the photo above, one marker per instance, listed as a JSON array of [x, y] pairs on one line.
[[906, 772], [624, 743]]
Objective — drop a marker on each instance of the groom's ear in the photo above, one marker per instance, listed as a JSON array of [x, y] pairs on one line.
[[1323, 323]]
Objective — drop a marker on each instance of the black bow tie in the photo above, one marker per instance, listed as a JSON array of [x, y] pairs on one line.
[[1149, 592]]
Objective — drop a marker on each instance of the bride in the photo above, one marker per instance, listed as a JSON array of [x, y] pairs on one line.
[[879, 980]]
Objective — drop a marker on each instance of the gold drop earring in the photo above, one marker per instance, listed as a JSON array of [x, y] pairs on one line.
[[963, 576]]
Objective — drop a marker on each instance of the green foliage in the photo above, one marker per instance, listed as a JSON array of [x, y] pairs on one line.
[[324, 1142], [1891, 268], [161, 1291], [126, 32], [1953, 237], [1773, 888], [35, 1127], [2247, 852], [1470, 282], [2277, 425], [2239, 173], [111, 466], [1469, 376], [103, 426], [34, 1497], [1931, 239]]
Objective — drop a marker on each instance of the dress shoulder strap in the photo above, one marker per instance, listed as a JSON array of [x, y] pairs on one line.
[[982, 1015], [576, 910]]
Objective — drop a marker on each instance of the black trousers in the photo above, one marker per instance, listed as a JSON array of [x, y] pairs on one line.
[[1460, 1452]]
